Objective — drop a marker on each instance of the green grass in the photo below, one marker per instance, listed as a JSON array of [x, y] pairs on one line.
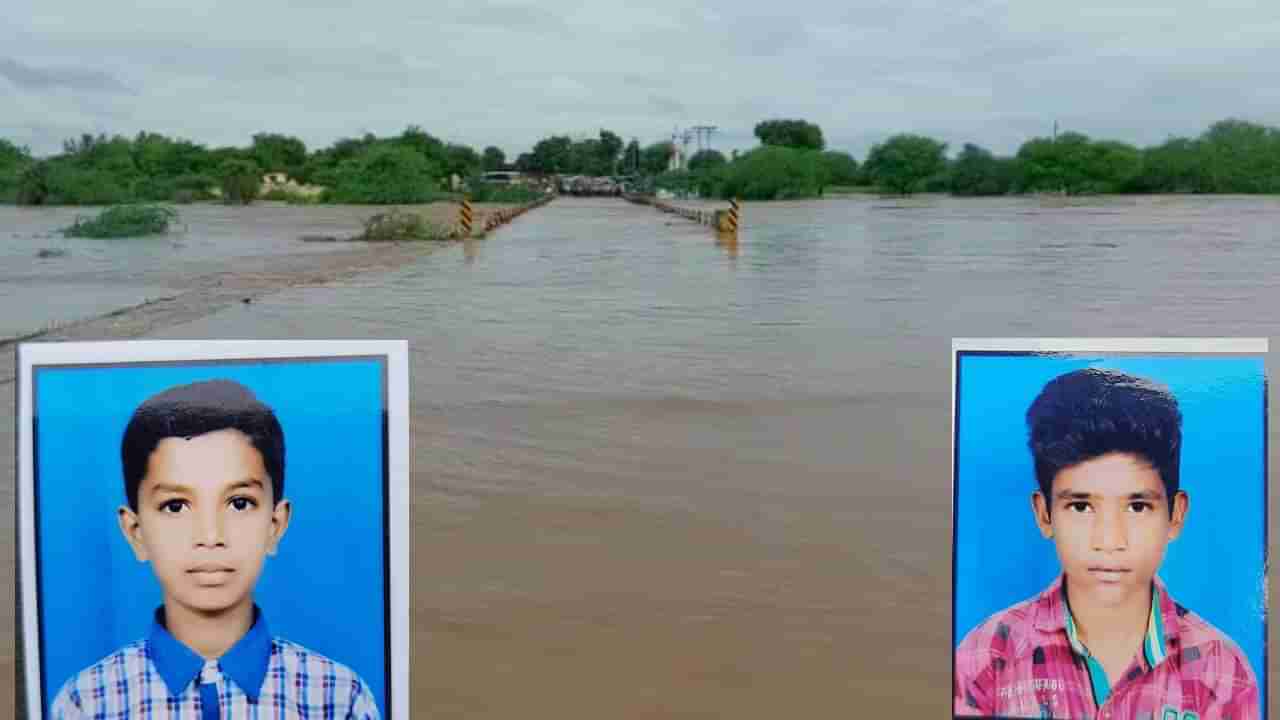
[[293, 198], [119, 221]]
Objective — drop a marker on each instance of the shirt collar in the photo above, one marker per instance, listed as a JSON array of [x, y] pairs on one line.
[[1051, 614], [246, 661]]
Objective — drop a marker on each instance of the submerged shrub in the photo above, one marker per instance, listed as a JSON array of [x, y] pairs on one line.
[[124, 221], [400, 225]]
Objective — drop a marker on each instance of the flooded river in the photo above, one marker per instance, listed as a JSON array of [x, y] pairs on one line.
[[659, 476]]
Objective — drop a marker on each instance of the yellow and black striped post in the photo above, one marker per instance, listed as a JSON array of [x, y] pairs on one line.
[[729, 220], [465, 216]]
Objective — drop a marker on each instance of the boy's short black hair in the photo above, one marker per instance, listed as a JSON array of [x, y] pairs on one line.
[[195, 409], [1089, 413]]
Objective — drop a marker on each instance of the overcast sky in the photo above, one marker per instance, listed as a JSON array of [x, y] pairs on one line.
[[509, 72]]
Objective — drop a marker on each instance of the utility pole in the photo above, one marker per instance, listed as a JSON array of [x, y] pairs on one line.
[[704, 134]]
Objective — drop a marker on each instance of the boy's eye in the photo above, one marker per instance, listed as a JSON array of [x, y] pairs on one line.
[[172, 507], [1139, 506], [243, 503], [1078, 506]]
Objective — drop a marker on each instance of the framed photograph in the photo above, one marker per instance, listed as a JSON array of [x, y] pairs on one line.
[[214, 526], [1109, 528]]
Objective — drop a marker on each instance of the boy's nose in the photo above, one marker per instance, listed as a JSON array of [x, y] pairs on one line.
[[209, 531], [1110, 532]]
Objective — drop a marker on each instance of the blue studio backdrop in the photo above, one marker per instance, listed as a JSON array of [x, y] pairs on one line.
[[1215, 567], [324, 588]]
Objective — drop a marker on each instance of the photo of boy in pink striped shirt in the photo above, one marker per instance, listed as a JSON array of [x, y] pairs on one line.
[[1105, 639]]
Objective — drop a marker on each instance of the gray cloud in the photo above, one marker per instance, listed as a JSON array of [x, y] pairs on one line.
[[508, 72], [507, 16], [35, 78], [666, 105]]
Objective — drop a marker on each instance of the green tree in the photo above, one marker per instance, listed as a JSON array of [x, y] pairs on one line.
[[706, 159], [14, 161], [149, 152], [83, 145], [1113, 166], [494, 159], [790, 133], [608, 150], [1176, 165], [837, 168], [772, 173], [91, 171], [11, 154], [586, 158], [631, 157], [240, 180], [1075, 164], [33, 184], [386, 174], [431, 147], [655, 158], [460, 160], [113, 156], [1242, 157], [903, 161], [551, 155], [976, 171], [157, 156], [278, 153], [1039, 166]]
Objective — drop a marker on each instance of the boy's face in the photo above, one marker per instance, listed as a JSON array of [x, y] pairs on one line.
[[1109, 518], [205, 520]]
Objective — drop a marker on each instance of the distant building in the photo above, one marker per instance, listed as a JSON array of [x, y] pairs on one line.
[[503, 177], [281, 181]]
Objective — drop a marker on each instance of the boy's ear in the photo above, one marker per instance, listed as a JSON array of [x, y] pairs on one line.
[[1040, 508], [1181, 506], [132, 532], [280, 516]]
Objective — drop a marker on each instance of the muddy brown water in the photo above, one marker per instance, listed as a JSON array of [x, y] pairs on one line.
[[659, 475]]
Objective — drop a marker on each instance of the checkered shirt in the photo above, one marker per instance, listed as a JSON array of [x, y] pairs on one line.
[[261, 678], [1028, 662]]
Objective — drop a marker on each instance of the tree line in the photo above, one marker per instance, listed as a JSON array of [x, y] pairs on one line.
[[411, 167], [792, 161], [1231, 156]]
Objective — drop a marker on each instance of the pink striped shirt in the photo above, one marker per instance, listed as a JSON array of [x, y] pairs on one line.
[[1027, 662]]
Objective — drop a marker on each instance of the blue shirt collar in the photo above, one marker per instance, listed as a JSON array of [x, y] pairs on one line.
[[245, 663]]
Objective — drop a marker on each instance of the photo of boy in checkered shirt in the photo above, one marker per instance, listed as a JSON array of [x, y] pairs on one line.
[[1105, 639], [204, 471]]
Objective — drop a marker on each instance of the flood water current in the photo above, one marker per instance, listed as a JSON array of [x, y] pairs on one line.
[[659, 475]]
